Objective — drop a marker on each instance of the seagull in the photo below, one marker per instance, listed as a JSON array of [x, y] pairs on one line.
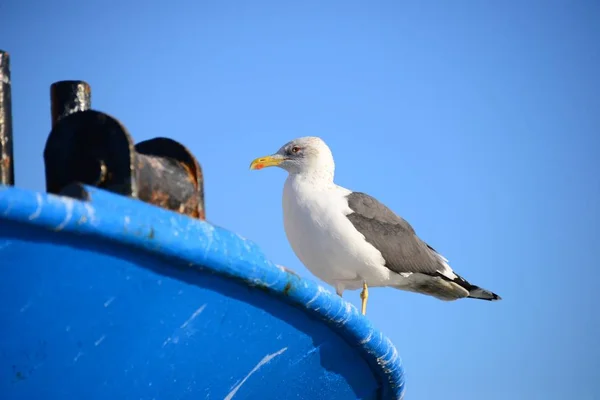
[[349, 239]]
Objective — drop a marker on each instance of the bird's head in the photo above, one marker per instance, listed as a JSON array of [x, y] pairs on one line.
[[306, 155]]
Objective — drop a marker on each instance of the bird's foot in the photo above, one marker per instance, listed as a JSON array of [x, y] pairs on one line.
[[364, 295]]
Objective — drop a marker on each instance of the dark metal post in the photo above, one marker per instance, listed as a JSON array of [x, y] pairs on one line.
[[92, 148], [7, 172], [68, 97]]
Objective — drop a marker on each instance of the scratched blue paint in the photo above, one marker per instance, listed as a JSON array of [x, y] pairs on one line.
[[114, 298]]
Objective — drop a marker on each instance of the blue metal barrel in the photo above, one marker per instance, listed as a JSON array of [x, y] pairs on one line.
[[113, 298]]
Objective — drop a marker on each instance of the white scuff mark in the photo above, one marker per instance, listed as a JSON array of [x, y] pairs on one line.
[[109, 301], [269, 285], [393, 358], [174, 338], [381, 360], [266, 359], [349, 308], [349, 311], [339, 320], [315, 297], [7, 210], [311, 351], [193, 316], [259, 282], [207, 248], [248, 243], [346, 315], [385, 360], [345, 320], [40, 205], [91, 211], [79, 354], [127, 220], [97, 342], [159, 282], [67, 328], [69, 214], [25, 307], [367, 339]]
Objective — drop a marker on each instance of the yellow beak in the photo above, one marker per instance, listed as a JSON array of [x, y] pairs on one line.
[[267, 161]]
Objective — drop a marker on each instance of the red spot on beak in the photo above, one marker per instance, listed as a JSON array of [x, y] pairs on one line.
[[259, 166]]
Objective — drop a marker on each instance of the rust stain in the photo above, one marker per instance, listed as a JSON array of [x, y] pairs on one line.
[[287, 288], [196, 176], [163, 199], [190, 173], [159, 198]]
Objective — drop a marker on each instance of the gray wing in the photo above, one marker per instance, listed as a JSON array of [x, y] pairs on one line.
[[393, 236]]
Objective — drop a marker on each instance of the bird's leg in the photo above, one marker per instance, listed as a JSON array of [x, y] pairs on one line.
[[364, 295], [339, 289]]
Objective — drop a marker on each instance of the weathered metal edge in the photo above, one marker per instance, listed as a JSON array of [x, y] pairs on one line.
[[202, 244]]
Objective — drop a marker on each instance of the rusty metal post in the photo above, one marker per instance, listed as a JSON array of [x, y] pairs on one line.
[[7, 172], [169, 176], [68, 97]]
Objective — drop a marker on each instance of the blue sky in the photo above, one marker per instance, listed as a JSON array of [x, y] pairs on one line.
[[476, 121]]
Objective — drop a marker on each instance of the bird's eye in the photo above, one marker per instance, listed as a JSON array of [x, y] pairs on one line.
[[295, 149]]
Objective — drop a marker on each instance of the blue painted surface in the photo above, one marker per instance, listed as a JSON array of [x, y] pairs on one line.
[[114, 298]]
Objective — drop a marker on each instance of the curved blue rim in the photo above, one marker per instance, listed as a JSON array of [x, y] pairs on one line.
[[203, 245]]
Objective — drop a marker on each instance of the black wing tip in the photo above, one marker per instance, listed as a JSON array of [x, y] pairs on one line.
[[481, 294], [475, 292]]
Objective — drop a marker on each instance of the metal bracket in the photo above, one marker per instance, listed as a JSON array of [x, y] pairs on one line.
[[91, 147]]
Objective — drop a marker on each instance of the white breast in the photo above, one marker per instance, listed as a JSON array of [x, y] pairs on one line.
[[323, 238]]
